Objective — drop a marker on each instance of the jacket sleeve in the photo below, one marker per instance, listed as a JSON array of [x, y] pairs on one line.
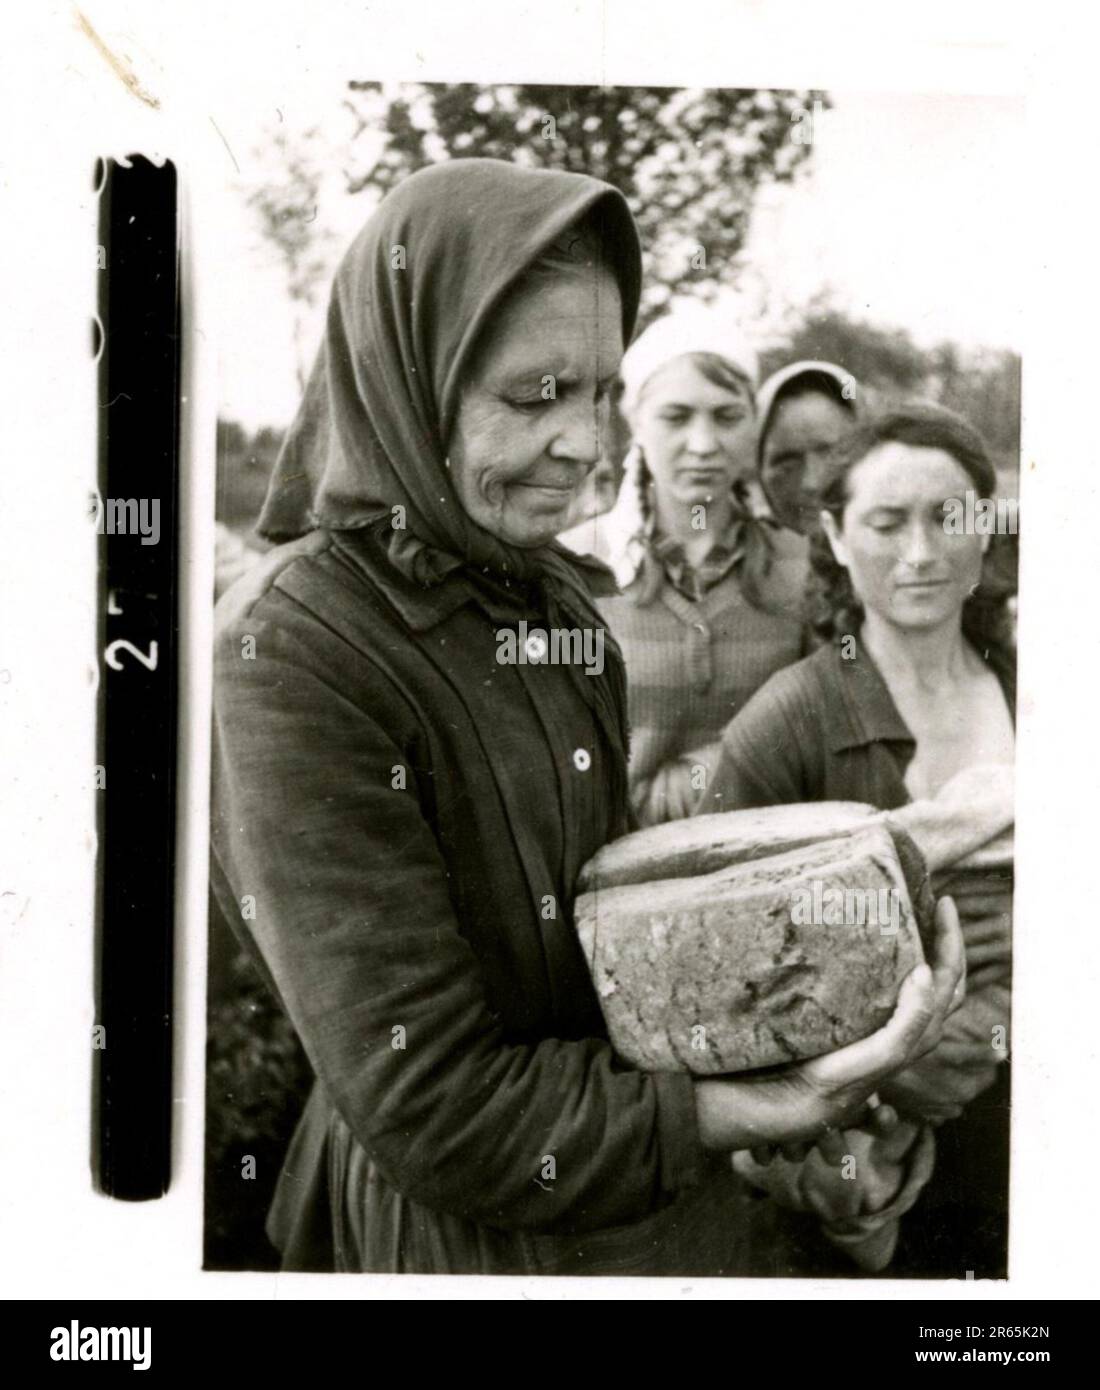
[[762, 760], [348, 905]]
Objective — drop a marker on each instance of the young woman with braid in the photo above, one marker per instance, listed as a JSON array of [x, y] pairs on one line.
[[711, 601]]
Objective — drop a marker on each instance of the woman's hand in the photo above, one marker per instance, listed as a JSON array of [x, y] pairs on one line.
[[801, 1103], [857, 1174], [939, 1086]]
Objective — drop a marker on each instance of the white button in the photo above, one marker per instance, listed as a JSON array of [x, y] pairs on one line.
[[535, 647], [582, 759]]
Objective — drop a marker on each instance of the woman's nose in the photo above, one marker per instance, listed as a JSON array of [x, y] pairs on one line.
[[817, 468], [920, 545], [580, 438], [701, 439]]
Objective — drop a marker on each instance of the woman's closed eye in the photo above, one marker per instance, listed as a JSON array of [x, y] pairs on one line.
[[550, 390], [885, 522], [527, 404], [724, 419]]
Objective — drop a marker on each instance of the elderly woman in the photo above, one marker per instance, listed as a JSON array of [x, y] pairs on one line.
[[400, 814], [806, 412], [913, 694], [712, 594]]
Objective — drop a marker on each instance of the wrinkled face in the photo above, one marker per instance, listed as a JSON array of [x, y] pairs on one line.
[[697, 437], [532, 415], [802, 439], [903, 563]]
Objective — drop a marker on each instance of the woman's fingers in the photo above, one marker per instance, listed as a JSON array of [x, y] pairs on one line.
[[965, 1054], [940, 1114], [840, 1083], [981, 906], [882, 1120], [833, 1147], [861, 1065], [949, 966], [948, 975]]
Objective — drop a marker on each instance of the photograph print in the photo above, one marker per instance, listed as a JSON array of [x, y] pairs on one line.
[[614, 686]]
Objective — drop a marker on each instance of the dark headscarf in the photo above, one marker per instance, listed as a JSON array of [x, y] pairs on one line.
[[383, 393], [827, 378], [409, 301]]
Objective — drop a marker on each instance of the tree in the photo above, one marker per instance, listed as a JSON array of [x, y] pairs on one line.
[[689, 161], [885, 359], [287, 210], [982, 384]]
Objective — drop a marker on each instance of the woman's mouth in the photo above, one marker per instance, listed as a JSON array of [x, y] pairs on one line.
[[703, 472], [548, 494], [710, 481]]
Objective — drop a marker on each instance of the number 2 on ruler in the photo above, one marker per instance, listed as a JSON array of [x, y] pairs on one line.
[[147, 659]]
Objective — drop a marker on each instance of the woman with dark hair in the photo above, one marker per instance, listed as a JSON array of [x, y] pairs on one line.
[[899, 600], [711, 602], [806, 411], [915, 687], [400, 815], [985, 617]]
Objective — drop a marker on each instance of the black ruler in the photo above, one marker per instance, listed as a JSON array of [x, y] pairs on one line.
[[135, 514]]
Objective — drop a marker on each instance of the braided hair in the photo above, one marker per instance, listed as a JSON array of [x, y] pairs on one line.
[[719, 371]]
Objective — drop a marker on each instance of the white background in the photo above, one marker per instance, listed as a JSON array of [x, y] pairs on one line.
[[212, 68]]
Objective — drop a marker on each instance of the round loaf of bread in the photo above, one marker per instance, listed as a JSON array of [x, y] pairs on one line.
[[742, 940]]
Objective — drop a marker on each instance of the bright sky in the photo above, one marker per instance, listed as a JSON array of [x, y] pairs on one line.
[[907, 216]]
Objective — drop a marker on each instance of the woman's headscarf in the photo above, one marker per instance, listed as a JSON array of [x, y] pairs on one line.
[[408, 305], [832, 381], [409, 301], [688, 327], [622, 538], [839, 385]]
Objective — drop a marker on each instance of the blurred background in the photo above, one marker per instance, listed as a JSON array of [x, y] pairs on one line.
[[874, 231]]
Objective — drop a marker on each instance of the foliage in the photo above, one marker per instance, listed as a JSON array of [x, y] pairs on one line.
[[245, 462], [689, 161], [981, 384], [257, 1080], [287, 212]]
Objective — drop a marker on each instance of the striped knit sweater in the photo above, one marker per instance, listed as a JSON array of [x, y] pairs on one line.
[[691, 666]]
